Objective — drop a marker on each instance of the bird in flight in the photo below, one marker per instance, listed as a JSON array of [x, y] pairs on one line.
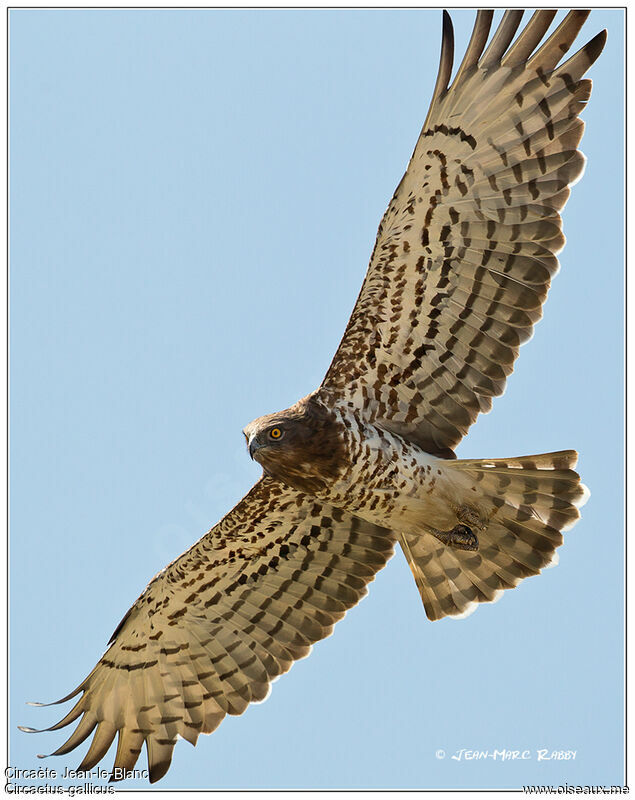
[[460, 270]]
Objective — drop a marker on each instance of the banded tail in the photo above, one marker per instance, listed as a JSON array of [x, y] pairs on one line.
[[533, 500]]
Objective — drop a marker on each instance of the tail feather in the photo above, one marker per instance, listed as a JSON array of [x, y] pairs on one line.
[[529, 500]]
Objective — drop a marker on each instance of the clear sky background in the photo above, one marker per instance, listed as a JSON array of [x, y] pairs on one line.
[[194, 198]]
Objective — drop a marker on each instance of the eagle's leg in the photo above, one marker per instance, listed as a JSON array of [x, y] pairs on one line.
[[471, 518], [461, 537]]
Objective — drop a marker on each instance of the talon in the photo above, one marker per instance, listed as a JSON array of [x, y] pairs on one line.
[[461, 537]]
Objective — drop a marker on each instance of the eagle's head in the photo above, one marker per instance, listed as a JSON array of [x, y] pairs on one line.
[[302, 446]]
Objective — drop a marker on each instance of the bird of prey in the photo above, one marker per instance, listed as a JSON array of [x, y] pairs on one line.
[[460, 270]]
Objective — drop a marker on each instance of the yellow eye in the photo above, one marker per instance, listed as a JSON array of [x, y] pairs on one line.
[[275, 433]]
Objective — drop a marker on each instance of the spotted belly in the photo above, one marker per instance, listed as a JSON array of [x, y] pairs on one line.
[[395, 484]]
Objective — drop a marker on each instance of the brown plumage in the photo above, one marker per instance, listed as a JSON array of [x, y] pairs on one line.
[[461, 267], [310, 453]]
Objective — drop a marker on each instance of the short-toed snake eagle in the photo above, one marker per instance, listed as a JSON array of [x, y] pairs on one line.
[[461, 267]]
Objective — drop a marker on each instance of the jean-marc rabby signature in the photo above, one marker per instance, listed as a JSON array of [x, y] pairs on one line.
[[505, 754]]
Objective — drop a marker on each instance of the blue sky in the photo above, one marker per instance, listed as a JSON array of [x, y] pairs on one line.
[[194, 198]]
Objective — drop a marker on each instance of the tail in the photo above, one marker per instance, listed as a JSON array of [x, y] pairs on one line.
[[527, 503]]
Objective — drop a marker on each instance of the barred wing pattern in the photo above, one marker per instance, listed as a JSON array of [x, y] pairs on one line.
[[214, 628], [467, 248]]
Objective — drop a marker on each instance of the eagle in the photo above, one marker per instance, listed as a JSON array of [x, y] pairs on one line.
[[461, 267]]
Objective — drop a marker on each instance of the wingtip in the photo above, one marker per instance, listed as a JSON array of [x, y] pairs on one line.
[[447, 55], [65, 699], [600, 39], [448, 28], [579, 13], [158, 770], [27, 729]]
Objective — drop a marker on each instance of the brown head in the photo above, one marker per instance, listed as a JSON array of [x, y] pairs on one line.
[[301, 446]]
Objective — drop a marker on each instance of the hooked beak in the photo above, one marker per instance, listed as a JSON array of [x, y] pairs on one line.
[[252, 446]]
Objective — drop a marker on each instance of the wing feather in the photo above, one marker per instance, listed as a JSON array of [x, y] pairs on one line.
[[215, 627], [467, 249], [475, 46], [502, 38], [446, 59], [529, 38]]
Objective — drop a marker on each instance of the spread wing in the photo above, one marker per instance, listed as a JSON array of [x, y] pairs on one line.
[[214, 628], [467, 248]]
